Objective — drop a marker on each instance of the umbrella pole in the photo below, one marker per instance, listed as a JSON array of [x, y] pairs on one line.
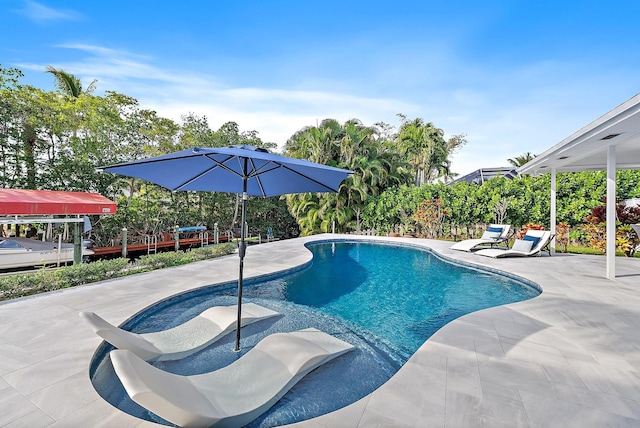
[[241, 252]]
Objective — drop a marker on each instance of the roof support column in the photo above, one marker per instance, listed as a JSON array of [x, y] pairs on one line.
[[77, 244], [611, 212], [553, 214]]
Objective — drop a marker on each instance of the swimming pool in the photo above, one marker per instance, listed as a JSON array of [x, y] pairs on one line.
[[384, 299]]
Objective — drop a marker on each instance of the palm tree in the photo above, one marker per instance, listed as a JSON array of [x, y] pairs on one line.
[[355, 140], [518, 161], [69, 84], [352, 146], [318, 144], [426, 149]]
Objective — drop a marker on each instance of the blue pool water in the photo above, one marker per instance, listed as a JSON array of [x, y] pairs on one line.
[[386, 300]]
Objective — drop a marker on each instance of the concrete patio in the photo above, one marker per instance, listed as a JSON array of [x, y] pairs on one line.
[[568, 358]]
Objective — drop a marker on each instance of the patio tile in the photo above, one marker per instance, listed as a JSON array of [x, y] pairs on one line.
[[35, 419], [50, 371], [14, 357], [550, 412], [349, 416], [431, 355], [431, 415], [410, 390], [463, 376], [514, 374], [64, 397], [518, 330], [569, 357], [534, 353], [626, 407], [464, 410], [563, 375], [98, 414], [609, 380], [400, 416], [15, 406]]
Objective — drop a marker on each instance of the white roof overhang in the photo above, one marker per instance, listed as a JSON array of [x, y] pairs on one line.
[[586, 149]]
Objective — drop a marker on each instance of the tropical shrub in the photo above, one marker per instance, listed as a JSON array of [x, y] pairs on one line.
[[525, 199], [626, 238], [562, 236], [13, 286], [430, 217]]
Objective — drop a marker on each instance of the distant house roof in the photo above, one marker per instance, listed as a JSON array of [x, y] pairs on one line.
[[51, 202], [481, 175]]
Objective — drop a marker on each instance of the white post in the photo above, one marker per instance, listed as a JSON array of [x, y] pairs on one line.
[[59, 249], [553, 210], [124, 242], [611, 212]]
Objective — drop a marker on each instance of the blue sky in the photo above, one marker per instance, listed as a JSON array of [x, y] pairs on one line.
[[514, 76]]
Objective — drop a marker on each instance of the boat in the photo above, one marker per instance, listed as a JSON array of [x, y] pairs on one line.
[[25, 252]]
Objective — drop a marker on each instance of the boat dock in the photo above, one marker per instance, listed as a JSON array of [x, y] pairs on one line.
[[150, 244]]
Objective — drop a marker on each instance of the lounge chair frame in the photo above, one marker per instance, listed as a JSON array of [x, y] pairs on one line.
[[545, 239], [479, 243]]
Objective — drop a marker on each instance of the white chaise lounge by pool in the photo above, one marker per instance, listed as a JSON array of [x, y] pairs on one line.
[[180, 341], [494, 235], [636, 228], [532, 243], [236, 394]]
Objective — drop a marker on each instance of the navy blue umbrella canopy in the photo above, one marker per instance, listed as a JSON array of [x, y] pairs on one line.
[[245, 170], [224, 170]]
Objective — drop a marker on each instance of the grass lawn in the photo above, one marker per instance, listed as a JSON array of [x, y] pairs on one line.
[[575, 249]]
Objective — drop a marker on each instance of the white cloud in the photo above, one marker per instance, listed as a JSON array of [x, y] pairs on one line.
[[40, 13], [504, 113], [275, 113], [121, 66]]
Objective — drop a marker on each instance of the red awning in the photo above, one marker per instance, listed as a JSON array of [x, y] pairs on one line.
[[51, 202]]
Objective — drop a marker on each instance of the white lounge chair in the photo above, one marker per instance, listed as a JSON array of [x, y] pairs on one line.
[[636, 228], [236, 394], [495, 234], [532, 243], [180, 341]]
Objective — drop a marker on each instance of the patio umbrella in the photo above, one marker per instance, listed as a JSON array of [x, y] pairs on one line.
[[241, 169]]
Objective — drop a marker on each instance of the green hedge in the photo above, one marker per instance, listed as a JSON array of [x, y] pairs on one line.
[[13, 286], [527, 199]]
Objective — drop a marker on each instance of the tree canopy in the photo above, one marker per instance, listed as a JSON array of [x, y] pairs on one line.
[[524, 158], [56, 139], [426, 150]]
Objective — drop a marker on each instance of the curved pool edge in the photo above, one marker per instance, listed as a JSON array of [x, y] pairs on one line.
[[429, 249], [300, 247], [404, 379]]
